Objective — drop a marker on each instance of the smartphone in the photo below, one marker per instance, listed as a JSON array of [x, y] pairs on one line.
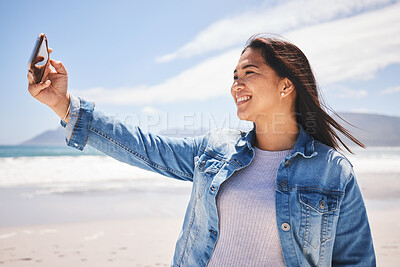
[[39, 60]]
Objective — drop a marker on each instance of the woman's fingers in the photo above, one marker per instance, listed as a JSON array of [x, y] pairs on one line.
[[50, 50], [35, 89], [59, 66], [38, 59], [30, 78]]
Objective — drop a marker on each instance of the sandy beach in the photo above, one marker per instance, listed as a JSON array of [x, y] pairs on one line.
[[71, 226], [138, 242], [148, 240], [91, 229]]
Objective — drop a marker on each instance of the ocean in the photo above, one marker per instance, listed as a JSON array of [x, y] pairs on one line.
[[40, 151], [42, 185], [51, 185], [57, 170]]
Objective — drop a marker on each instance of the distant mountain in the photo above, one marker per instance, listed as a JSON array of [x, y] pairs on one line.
[[48, 138], [373, 130]]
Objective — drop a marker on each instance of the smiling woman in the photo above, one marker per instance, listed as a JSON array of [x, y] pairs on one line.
[[281, 74], [280, 194]]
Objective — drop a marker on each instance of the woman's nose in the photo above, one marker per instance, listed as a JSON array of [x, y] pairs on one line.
[[237, 85]]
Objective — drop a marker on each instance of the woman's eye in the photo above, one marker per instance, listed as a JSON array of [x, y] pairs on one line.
[[235, 77], [249, 72]]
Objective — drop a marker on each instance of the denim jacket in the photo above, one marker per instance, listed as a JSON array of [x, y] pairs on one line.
[[320, 213]]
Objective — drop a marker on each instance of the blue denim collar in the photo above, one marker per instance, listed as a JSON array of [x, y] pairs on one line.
[[304, 144]]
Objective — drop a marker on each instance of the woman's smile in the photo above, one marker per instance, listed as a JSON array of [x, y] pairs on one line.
[[255, 87], [243, 99]]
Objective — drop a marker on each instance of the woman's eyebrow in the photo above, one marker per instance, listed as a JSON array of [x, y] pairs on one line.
[[247, 66]]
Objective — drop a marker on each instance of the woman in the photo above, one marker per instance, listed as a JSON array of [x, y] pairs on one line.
[[277, 195]]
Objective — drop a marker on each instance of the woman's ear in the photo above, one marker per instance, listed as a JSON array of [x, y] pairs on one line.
[[287, 87]]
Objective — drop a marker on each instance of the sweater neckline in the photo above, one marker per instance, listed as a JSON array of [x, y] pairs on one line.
[[272, 154]]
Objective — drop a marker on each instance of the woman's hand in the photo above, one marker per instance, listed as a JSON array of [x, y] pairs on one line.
[[53, 92]]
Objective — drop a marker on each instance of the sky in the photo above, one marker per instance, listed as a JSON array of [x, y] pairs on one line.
[[169, 64]]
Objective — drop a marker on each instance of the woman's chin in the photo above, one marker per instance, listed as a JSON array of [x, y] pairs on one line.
[[243, 116]]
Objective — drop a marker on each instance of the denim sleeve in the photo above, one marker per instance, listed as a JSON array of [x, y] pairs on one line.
[[353, 242], [172, 157]]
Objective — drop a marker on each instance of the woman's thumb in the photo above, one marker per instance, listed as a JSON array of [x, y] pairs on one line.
[[59, 66]]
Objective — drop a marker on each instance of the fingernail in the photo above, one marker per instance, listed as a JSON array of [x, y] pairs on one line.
[[47, 82]]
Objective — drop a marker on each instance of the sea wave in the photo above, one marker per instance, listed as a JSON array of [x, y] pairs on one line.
[[74, 174], [81, 174]]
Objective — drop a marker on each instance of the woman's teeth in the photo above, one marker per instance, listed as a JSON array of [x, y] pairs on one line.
[[243, 98]]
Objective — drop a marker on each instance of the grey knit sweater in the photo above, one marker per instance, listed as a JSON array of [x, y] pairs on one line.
[[246, 212]]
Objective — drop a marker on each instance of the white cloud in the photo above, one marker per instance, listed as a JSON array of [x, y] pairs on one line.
[[290, 15], [391, 90], [150, 110], [350, 48], [340, 91], [350, 93], [211, 78]]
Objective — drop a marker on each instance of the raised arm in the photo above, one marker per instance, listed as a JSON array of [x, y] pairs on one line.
[[173, 157]]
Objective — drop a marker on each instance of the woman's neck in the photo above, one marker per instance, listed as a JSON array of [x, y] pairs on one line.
[[276, 134]]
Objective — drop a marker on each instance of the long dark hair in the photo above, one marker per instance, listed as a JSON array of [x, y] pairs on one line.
[[290, 62]]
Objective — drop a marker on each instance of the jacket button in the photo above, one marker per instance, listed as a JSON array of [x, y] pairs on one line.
[[322, 204], [212, 188], [287, 163], [283, 183], [202, 164], [285, 227]]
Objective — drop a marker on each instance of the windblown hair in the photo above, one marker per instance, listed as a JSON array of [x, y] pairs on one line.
[[289, 61]]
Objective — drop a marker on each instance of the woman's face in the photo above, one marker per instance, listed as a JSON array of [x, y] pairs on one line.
[[256, 88]]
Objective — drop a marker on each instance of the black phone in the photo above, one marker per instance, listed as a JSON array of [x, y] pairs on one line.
[[39, 60]]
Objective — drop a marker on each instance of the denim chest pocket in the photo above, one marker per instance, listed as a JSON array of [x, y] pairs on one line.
[[207, 167], [318, 209]]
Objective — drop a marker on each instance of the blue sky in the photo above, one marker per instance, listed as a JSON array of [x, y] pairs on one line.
[[166, 64]]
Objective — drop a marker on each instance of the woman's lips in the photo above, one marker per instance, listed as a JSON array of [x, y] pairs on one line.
[[242, 100]]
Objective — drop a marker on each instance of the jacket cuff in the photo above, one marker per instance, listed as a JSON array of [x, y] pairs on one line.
[[80, 116]]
